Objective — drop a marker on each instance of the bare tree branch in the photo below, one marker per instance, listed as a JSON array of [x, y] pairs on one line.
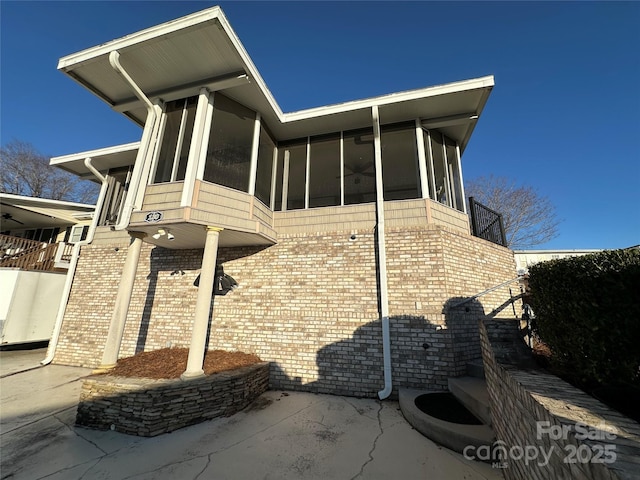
[[25, 171], [529, 218]]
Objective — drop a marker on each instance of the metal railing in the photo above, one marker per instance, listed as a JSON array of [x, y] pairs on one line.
[[488, 290], [486, 223], [526, 316]]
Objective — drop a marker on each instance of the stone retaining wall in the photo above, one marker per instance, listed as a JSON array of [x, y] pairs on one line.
[[537, 414], [148, 408]]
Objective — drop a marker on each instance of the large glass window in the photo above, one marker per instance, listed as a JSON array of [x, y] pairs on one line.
[[324, 175], [443, 161], [455, 186], [117, 183], [437, 159], [359, 167], [265, 167], [176, 140], [291, 175], [400, 168], [228, 159]]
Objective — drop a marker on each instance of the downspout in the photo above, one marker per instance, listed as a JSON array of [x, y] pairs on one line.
[[382, 259], [147, 137], [75, 253]]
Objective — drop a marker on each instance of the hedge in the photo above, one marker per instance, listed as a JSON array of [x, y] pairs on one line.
[[587, 312]]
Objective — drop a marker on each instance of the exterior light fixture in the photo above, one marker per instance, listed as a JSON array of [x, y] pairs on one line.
[[161, 232]]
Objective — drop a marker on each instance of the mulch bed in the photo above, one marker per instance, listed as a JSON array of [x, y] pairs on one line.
[[172, 362]]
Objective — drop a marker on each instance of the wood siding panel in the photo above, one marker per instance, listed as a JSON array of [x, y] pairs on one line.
[[449, 217], [325, 219], [262, 213], [106, 236], [162, 196], [224, 221]]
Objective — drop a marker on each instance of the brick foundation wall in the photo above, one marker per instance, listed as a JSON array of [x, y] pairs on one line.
[[151, 407], [308, 304], [520, 396]]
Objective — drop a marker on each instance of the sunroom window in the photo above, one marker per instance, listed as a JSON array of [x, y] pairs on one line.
[[436, 149], [359, 167], [324, 171], [443, 169], [400, 168], [228, 161], [291, 175], [265, 167], [176, 140], [453, 172]]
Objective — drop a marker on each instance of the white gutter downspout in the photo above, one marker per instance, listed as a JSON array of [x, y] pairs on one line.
[[382, 258], [140, 167], [75, 253]]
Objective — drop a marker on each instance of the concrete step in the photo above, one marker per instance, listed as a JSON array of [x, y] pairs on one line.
[[475, 368], [472, 393], [454, 436]]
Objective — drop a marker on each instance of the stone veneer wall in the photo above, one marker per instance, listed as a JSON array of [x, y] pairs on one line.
[[148, 408], [520, 396], [308, 304]]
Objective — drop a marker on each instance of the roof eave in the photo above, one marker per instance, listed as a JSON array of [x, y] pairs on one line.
[[455, 87]]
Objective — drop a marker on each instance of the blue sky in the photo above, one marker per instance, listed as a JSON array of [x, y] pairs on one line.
[[564, 116]]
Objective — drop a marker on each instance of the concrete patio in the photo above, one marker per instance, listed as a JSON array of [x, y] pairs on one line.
[[283, 435]]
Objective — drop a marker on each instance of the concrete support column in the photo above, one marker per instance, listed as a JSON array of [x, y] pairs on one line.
[[123, 298], [203, 305]]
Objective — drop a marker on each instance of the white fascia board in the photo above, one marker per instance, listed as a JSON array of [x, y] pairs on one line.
[[215, 13], [74, 157], [22, 200], [83, 215], [75, 59], [536, 252], [455, 87], [250, 67]]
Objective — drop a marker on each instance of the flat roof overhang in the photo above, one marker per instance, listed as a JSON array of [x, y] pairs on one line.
[[102, 159], [175, 59], [30, 212], [193, 235]]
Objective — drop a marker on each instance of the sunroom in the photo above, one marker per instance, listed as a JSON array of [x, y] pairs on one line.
[[217, 150]]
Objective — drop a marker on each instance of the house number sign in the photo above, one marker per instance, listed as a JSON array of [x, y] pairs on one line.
[[153, 217]]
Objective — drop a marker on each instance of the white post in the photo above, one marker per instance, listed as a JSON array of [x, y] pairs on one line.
[[206, 132], [203, 305], [285, 180], [459, 163], [254, 156], [432, 185], [274, 173], [195, 150], [307, 174], [123, 298], [341, 168], [422, 160]]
